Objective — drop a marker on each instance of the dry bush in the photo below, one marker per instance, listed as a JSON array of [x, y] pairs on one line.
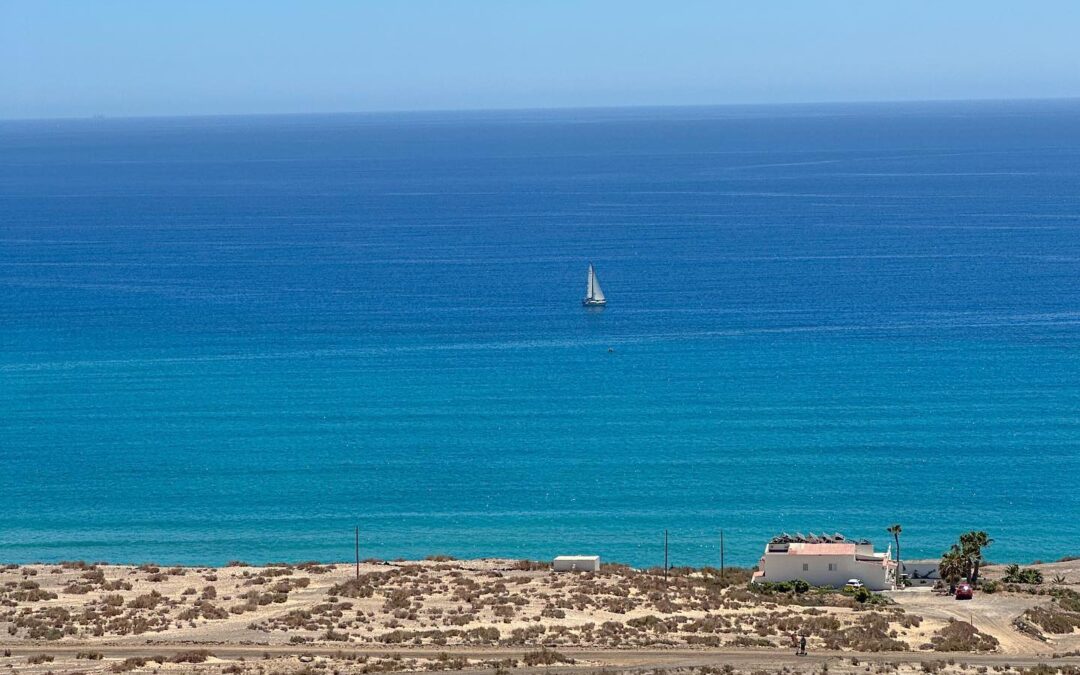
[[32, 595], [524, 636], [146, 601], [206, 610], [130, 663], [745, 641], [76, 565], [961, 636], [354, 588], [1053, 620], [117, 585], [869, 634], [530, 566], [193, 656], [545, 657]]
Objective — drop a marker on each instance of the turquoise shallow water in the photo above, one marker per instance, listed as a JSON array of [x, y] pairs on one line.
[[238, 337]]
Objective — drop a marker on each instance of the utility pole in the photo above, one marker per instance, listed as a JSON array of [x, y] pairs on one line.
[[721, 555], [358, 553], [665, 557]]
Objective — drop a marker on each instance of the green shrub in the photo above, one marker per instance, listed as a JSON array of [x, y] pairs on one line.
[[1015, 574]]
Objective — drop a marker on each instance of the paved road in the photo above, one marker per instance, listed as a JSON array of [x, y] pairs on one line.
[[590, 659]]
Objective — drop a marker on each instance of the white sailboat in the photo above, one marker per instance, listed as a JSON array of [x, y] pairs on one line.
[[594, 297]]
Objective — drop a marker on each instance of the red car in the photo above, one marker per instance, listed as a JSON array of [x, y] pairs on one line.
[[964, 591]]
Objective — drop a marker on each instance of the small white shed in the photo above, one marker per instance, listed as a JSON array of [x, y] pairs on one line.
[[577, 563]]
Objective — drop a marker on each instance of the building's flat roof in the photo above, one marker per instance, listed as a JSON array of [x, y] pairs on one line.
[[821, 549], [577, 557]]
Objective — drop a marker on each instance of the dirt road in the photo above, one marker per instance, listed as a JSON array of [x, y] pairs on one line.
[[991, 614]]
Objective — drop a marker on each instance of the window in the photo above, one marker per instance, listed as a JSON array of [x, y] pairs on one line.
[[832, 567], [806, 567]]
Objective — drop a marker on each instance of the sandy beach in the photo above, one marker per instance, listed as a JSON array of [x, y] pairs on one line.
[[501, 615]]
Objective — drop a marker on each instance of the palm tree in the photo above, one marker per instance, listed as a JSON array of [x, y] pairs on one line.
[[1012, 573], [895, 531], [952, 566], [972, 544]]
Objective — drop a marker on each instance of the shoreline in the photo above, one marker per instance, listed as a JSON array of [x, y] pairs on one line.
[[445, 558]]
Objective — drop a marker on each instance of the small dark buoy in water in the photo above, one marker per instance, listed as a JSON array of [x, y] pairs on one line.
[[610, 350]]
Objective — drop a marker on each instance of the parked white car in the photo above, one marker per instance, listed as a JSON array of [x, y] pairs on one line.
[[853, 584]]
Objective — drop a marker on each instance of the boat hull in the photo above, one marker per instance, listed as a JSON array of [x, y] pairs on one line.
[[593, 303]]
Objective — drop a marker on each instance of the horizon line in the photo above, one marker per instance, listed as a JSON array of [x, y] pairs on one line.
[[512, 109]]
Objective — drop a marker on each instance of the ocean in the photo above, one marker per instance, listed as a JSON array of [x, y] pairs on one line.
[[241, 337]]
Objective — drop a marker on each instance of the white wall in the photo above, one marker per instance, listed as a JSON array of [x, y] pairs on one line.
[[576, 564], [783, 567]]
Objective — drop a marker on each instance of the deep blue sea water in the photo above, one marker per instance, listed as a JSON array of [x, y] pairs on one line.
[[238, 337]]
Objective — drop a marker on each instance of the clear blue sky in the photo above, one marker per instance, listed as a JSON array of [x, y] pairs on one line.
[[175, 57]]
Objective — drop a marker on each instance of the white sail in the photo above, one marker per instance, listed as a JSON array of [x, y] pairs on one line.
[[597, 294], [593, 294]]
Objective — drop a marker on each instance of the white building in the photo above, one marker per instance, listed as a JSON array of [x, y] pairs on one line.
[[577, 563], [827, 560]]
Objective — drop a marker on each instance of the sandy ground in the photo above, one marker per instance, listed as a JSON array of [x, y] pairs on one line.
[[991, 614], [493, 615], [995, 613]]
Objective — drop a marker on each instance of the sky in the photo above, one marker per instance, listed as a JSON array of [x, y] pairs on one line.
[[189, 57]]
